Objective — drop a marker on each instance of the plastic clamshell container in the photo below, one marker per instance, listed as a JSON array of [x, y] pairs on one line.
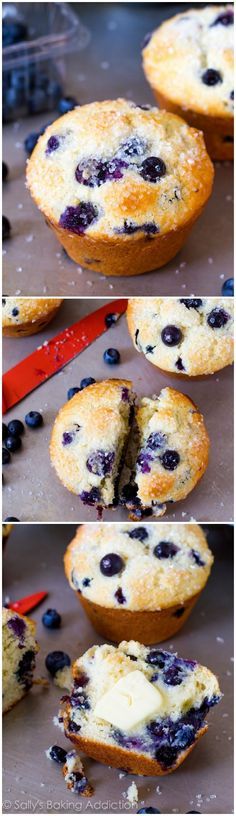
[[34, 70]]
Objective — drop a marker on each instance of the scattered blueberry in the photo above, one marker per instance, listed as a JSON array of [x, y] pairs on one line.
[[111, 356], [13, 443], [4, 171], [6, 228], [51, 619], [77, 219], [217, 318], [191, 303], [228, 287], [72, 391], [15, 427], [152, 169], [56, 661], [170, 459], [34, 419], [87, 381], [100, 462], [111, 564], [66, 104], [110, 319], [58, 754], [139, 532], [171, 335], [211, 77], [4, 430], [165, 549], [6, 456], [11, 518]]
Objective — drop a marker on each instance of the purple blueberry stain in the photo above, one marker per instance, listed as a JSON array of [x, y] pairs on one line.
[[94, 173], [120, 596], [91, 497], [143, 461], [130, 228], [156, 440], [100, 462], [218, 318], [125, 394], [78, 219], [17, 625], [165, 549], [52, 145], [179, 364]]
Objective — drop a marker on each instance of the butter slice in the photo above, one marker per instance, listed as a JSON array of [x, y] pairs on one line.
[[131, 701]]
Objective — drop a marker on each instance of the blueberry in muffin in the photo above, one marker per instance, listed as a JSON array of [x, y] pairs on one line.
[[19, 652]]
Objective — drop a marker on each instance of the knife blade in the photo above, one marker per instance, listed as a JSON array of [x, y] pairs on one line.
[[25, 605], [54, 354]]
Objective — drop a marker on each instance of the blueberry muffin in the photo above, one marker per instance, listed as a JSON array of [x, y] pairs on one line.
[[139, 709], [184, 336], [169, 456], [23, 316], [138, 581], [89, 438], [19, 651], [120, 185], [188, 62]]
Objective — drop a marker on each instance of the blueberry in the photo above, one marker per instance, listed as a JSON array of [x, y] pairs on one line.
[[13, 443], [211, 77], [11, 518], [100, 462], [183, 736], [143, 462], [149, 349], [58, 754], [18, 626], [228, 287], [77, 219], [6, 228], [13, 32], [152, 169], [34, 419], [166, 755], [87, 381], [66, 104], [174, 675], [4, 171], [171, 336], [217, 318], [15, 312], [51, 619], [232, 95], [125, 395], [6, 456], [197, 558], [179, 612], [111, 356], [225, 19], [25, 668], [120, 596], [149, 809], [86, 582], [170, 459], [157, 658], [56, 661], [156, 440], [15, 427], [191, 303], [67, 438], [4, 430], [179, 364], [91, 497], [110, 319], [165, 549], [72, 391], [52, 145], [139, 532], [133, 147], [31, 141], [74, 727], [111, 564]]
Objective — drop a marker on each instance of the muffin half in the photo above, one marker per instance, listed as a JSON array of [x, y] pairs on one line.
[[138, 581], [19, 652], [120, 185], [24, 316], [138, 709]]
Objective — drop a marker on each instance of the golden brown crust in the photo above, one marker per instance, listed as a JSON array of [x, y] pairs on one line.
[[33, 315], [130, 761], [218, 131], [146, 626]]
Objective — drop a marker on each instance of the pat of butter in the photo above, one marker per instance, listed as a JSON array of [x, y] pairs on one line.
[[131, 701]]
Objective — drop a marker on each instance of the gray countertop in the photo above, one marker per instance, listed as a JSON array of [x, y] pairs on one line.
[[33, 562]]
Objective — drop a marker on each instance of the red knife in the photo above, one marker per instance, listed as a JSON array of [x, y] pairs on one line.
[[25, 605], [56, 353]]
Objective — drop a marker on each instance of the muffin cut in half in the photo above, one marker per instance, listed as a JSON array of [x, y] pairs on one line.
[[19, 652], [170, 455], [189, 337], [141, 580], [138, 709], [189, 63], [120, 184], [89, 439], [24, 316]]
